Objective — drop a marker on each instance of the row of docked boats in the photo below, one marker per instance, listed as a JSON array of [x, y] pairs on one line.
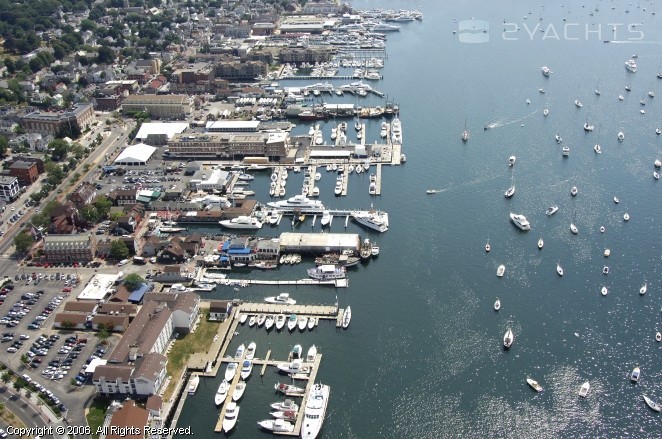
[[290, 258], [314, 411], [280, 320]]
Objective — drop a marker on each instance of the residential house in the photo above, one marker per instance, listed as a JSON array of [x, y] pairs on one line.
[[128, 422], [171, 274], [121, 197], [84, 195], [219, 310], [152, 246], [9, 188], [173, 253], [64, 220]]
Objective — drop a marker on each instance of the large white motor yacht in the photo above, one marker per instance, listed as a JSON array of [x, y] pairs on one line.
[[315, 410], [520, 221]]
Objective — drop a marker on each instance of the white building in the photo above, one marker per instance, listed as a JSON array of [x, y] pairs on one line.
[[218, 179], [135, 155], [9, 188]]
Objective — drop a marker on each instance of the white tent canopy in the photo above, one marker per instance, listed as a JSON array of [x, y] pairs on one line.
[[135, 155]]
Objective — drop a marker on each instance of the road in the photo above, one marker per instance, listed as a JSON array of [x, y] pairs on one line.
[[27, 411], [115, 138]]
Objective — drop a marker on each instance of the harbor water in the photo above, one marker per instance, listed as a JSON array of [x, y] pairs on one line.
[[423, 356]]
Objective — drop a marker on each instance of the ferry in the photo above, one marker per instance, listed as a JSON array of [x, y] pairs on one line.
[[327, 272]]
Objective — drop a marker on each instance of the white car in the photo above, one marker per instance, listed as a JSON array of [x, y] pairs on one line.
[[11, 349], [24, 337]]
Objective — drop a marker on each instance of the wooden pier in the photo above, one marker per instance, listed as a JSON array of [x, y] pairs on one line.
[[319, 311], [338, 283], [266, 363], [345, 182], [378, 180]]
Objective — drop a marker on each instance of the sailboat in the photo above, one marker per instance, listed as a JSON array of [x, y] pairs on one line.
[[588, 127], [540, 243], [511, 190], [597, 90], [597, 148], [487, 246], [559, 269], [465, 133]]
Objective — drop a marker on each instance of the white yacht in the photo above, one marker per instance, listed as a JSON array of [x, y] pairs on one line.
[[250, 351], [327, 272], [298, 202], [277, 425], [652, 404], [520, 221], [347, 317], [283, 298], [326, 218], [574, 191], [559, 269], [546, 71], [620, 136], [230, 371], [303, 323], [631, 65], [551, 210], [193, 384], [534, 384], [396, 130], [239, 390], [501, 270], [312, 354], [565, 151], [221, 393], [315, 411], [280, 321], [231, 414], [578, 104], [643, 288], [246, 369], [374, 219], [242, 222], [558, 138], [508, 338], [269, 323], [295, 366], [385, 27], [274, 217], [497, 305], [511, 160], [286, 405], [292, 322]]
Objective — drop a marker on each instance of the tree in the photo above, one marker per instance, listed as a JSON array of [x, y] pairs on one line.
[[4, 144], [25, 359], [118, 250], [68, 324], [55, 173], [133, 281], [103, 333], [106, 55], [6, 377], [23, 242], [90, 214], [103, 205], [60, 149]]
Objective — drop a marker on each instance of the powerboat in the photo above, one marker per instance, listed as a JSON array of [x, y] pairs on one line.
[[298, 202], [250, 351], [312, 354], [347, 317], [221, 393], [252, 321], [283, 298], [634, 376], [545, 112], [374, 219], [295, 366], [551, 210], [534, 384], [541, 243], [269, 322], [230, 371], [584, 389], [243, 318], [315, 410], [289, 389], [327, 272], [508, 338], [546, 71], [487, 247], [565, 151], [511, 160], [574, 191], [559, 269], [277, 425], [631, 65], [620, 136], [239, 390], [231, 414], [616, 200], [246, 369], [296, 352], [578, 104], [326, 218], [626, 217], [193, 384], [652, 404], [558, 138], [658, 336], [501, 270], [597, 148], [643, 288], [287, 405], [261, 319], [604, 291], [520, 221], [274, 217], [302, 323], [574, 229], [240, 351], [312, 322], [509, 192], [605, 270], [292, 322], [288, 415], [497, 305], [242, 222], [280, 321]]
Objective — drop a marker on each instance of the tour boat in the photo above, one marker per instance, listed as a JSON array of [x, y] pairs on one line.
[[231, 414], [327, 272], [221, 393]]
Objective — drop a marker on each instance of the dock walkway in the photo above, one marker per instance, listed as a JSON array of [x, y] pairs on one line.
[[338, 283]]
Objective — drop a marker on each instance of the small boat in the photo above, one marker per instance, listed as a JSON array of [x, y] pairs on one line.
[[616, 200], [501, 270], [497, 305], [311, 323], [545, 112], [628, 88], [288, 415], [252, 321], [347, 317], [573, 229], [431, 191], [559, 269], [546, 71], [303, 323], [656, 175], [584, 389], [287, 405], [312, 354], [578, 104], [657, 163], [551, 210], [541, 90], [246, 369], [487, 247], [465, 133], [292, 322], [326, 218], [511, 160], [243, 318], [541, 243], [269, 322], [634, 376], [280, 321], [294, 367], [509, 192], [520, 221], [658, 337], [621, 97], [240, 351], [652, 404], [558, 138], [643, 288], [574, 191], [193, 384], [508, 339], [288, 389], [620, 136], [277, 425], [565, 151], [283, 298], [604, 291], [239, 390], [605, 270], [231, 414], [221, 393], [534, 384], [261, 319], [626, 217], [250, 351], [230, 371], [597, 148]]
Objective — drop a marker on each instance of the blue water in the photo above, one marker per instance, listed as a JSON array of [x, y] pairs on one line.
[[423, 355]]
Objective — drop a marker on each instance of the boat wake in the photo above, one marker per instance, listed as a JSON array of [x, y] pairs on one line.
[[502, 123]]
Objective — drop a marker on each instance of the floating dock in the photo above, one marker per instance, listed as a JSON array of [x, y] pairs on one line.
[[378, 180], [338, 283]]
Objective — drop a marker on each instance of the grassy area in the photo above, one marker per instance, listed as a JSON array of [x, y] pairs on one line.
[[189, 344], [96, 414], [10, 419]]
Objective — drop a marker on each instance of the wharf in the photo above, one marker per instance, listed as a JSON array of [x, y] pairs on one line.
[[345, 183], [378, 180], [319, 311], [338, 283], [362, 131]]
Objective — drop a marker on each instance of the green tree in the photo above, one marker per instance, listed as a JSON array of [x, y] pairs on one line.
[[106, 55], [25, 359], [59, 148], [23, 242], [4, 144], [6, 377], [103, 333], [133, 281], [103, 205], [78, 150], [90, 214], [67, 324], [118, 250], [114, 216], [54, 172]]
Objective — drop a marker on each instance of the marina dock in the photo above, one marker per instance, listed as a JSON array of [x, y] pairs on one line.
[[378, 180], [338, 283]]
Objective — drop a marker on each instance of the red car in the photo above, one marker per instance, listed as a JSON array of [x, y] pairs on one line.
[[66, 290]]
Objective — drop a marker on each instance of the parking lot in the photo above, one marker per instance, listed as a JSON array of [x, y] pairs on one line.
[[55, 357]]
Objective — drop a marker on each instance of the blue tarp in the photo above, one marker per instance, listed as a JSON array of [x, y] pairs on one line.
[[239, 251]]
